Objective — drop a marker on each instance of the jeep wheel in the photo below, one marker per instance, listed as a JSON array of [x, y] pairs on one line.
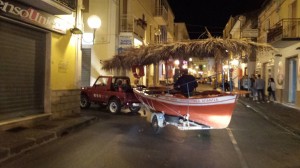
[[84, 102], [114, 106], [134, 109]]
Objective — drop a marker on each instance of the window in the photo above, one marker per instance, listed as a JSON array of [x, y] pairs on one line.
[[101, 82]]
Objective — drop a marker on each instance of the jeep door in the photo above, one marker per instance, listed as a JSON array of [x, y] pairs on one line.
[[100, 88]]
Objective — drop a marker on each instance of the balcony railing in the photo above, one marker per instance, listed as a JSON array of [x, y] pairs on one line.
[[161, 15], [162, 12], [67, 3], [56, 7], [130, 24], [285, 30]]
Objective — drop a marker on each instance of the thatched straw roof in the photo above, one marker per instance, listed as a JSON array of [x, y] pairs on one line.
[[210, 47]]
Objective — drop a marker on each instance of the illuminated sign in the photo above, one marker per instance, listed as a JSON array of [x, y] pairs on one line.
[[33, 16]]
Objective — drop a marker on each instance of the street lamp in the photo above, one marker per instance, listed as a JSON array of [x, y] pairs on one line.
[[94, 22]]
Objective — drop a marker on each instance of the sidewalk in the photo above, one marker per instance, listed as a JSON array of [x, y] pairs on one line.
[[280, 114], [18, 140]]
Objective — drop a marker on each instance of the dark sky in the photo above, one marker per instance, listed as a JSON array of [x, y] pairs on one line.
[[212, 14]]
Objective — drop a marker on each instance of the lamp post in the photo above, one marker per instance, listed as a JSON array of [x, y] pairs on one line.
[[94, 22]]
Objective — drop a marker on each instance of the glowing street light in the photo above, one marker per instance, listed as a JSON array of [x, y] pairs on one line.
[[94, 22], [235, 62], [176, 62]]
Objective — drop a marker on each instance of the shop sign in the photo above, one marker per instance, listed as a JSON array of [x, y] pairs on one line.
[[249, 33], [125, 40], [31, 15]]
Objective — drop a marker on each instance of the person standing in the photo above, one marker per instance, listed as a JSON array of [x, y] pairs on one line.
[[245, 83], [260, 87], [252, 87], [226, 86], [186, 83], [271, 89]]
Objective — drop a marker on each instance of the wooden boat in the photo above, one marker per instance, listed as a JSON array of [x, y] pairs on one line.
[[204, 110], [201, 111]]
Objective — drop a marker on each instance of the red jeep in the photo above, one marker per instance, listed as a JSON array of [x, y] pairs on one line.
[[113, 91]]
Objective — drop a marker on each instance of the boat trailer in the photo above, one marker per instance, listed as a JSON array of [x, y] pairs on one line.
[[159, 120]]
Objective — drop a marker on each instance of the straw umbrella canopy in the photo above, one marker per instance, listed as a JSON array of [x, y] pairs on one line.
[[127, 58], [210, 47], [114, 63]]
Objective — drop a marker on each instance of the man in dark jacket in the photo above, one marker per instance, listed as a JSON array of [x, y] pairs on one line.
[[186, 83]]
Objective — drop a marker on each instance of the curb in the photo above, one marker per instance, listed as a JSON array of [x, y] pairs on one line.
[[271, 119], [17, 141]]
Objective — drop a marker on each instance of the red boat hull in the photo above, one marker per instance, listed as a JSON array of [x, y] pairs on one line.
[[211, 110]]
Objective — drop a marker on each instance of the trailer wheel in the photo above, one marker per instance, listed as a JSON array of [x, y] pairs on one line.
[[134, 109], [155, 126]]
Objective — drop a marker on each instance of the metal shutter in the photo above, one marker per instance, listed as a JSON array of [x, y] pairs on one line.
[[86, 67], [22, 71]]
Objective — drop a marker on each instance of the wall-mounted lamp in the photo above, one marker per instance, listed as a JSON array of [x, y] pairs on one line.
[[76, 30], [158, 34], [94, 22]]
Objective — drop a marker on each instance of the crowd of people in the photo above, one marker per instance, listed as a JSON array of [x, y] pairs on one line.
[[257, 88]]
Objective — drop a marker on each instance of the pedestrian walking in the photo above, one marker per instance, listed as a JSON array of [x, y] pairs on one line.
[[271, 89], [260, 87]]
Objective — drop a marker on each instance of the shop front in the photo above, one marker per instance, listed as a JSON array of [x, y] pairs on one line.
[[22, 70], [25, 46]]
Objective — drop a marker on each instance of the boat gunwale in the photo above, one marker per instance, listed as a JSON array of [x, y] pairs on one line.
[[192, 101]]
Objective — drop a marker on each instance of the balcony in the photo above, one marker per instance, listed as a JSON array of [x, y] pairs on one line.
[[55, 7], [130, 24], [285, 33], [161, 15]]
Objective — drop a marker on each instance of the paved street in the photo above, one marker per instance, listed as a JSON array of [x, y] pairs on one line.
[[127, 141], [53, 50]]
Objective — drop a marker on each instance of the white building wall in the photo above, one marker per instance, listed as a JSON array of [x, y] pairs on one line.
[[105, 41], [287, 53], [274, 12]]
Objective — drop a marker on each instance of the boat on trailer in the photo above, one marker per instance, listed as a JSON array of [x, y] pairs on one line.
[[203, 110]]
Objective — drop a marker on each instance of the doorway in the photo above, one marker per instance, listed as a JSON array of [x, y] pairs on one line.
[[86, 67], [292, 79]]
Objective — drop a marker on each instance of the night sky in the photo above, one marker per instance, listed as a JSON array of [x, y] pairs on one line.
[[212, 14]]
